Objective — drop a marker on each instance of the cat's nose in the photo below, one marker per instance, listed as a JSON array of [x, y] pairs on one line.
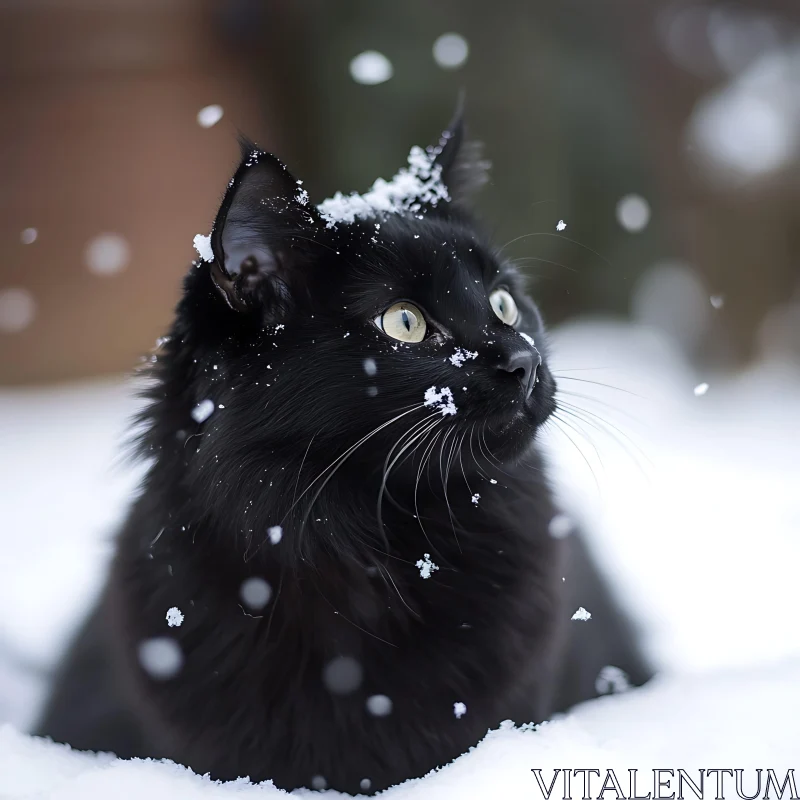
[[523, 364]]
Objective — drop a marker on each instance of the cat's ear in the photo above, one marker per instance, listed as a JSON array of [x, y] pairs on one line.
[[464, 170], [252, 240]]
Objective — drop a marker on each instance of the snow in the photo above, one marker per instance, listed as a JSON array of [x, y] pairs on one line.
[[418, 184], [528, 339], [209, 116], [202, 243], [342, 675], [450, 51], [29, 235], [729, 720], [459, 709], [717, 301], [461, 356], [611, 680], [107, 254], [561, 225], [747, 128], [560, 526], [17, 310], [633, 213], [174, 617], [203, 410], [697, 512], [370, 367], [700, 389], [371, 68], [161, 657], [275, 534], [441, 400], [581, 615], [426, 567], [255, 593], [379, 705], [476, 498], [302, 194]]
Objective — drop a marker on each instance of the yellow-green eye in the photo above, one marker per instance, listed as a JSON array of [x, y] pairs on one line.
[[504, 306], [402, 321]]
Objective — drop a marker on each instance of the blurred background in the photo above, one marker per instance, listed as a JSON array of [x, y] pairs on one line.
[[646, 165], [665, 134]]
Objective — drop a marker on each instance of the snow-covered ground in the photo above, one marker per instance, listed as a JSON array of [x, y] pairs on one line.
[[691, 503]]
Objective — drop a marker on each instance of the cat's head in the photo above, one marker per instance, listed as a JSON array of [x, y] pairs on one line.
[[305, 329]]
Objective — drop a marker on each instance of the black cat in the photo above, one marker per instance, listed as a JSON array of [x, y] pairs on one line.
[[340, 570]]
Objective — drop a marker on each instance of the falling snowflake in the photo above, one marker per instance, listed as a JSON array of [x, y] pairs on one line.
[[612, 680], [370, 367], [209, 116], [459, 709], [255, 593], [560, 526], [203, 410], [460, 356], [174, 617], [476, 499], [450, 50], [426, 567], [492, 481], [440, 400], [633, 213], [107, 254], [717, 301], [342, 675], [561, 225], [275, 534], [371, 68], [581, 615], [161, 658], [700, 389], [379, 705]]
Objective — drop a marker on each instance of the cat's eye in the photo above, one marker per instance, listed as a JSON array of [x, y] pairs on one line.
[[504, 305], [402, 321]]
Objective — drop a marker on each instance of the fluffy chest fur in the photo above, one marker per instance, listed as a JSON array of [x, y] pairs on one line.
[[255, 695]]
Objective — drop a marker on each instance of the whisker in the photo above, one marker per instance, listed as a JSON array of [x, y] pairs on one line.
[[300, 471], [337, 463], [557, 236], [386, 471], [603, 403], [425, 458], [582, 454], [461, 463], [606, 385], [597, 421]]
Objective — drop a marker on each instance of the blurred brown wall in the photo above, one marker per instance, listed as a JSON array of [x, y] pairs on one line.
[[98, 134]]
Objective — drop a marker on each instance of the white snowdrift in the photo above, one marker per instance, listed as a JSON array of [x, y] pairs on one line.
[[736, 721]]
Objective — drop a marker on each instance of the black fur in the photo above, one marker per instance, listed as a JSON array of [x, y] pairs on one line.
[[278, 341]]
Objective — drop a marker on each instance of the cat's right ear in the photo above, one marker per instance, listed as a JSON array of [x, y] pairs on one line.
[[254, 248], [463, 169]]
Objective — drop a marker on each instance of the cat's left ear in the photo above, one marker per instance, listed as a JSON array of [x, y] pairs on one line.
[[464, 170], [253, 239]]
